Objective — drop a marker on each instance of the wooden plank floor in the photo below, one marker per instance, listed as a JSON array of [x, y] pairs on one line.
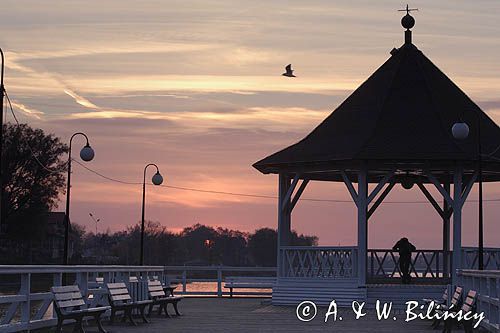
[[250, 315]]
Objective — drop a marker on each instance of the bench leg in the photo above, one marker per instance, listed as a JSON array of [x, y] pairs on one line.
[[468, 326], [99, 324], [79, 325], [124, 316], [175, 308], [231, 292], [143, 315], [128, 313], [165, 309], [448, 324], [112, 317], [160, 308], [59, 325], [150, 310], [436, 323]]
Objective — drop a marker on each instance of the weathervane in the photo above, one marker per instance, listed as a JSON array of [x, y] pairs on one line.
[[407, 22], [407, 10]]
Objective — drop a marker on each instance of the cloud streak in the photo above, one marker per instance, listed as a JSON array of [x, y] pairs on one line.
[[27, 110], [81, 100]]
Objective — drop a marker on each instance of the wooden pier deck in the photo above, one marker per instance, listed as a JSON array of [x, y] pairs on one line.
[[252, 315]]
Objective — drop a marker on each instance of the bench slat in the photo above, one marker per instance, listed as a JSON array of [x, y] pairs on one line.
[[156, 293], [116, 285], [71, 303], [155, 288], [65, 289], [118, 291], [68, 296], [154, 283], [121, 298]]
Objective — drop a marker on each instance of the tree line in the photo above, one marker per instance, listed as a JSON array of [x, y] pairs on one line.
[[195, 245]]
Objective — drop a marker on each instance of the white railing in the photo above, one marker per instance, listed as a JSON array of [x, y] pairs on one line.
[[30, 293], [487, 285], [383, 264], [318, 262], [491, 258], [209, 280]]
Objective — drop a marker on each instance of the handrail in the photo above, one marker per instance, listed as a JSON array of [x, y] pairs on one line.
[[19, 269], [395, 251], [485, 273], [225, 268], [314, 248]]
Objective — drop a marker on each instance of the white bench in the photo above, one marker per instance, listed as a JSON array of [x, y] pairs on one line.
[[249, 282]]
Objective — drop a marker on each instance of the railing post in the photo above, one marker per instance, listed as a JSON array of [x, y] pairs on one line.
[[56, 282], [26, 292], [284, 263], [184, 281], [219, 282], [371, 263]]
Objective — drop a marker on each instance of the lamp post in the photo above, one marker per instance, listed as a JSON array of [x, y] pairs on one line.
[[96, 221], [86, 154], [460, 131], [1, 136], [157, 180]]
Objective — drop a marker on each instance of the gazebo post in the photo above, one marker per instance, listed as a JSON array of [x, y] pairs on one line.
[[457, 222], [283, 236], [362, 204], [446, 232]]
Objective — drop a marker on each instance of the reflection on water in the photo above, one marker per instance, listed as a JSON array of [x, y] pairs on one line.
[[211, 287]]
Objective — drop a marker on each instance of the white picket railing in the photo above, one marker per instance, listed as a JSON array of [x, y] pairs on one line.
[[189, 278], [383, 264], [319, 262], [487, 285], [35, 307], [491, 258]]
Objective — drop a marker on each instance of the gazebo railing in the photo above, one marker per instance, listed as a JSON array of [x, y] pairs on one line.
[[491, 258], [318, 262], [428, 264], [487, 285]]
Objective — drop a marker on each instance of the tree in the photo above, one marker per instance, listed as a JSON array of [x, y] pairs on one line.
[[29, 191], [262, 247]]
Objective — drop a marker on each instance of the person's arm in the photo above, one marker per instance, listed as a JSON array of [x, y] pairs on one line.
[[396, 247], [413, 248]]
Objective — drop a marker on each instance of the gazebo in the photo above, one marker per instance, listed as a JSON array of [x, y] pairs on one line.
[[407, 124]]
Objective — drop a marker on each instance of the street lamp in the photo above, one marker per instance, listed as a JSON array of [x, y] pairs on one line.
[[460, 131], [86, 154], [157, 180], [96, 221]]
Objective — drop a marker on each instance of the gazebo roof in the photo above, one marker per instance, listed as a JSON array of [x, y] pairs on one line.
[[403, 113]]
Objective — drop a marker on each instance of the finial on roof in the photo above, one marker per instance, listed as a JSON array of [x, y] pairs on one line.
[[408, 22]]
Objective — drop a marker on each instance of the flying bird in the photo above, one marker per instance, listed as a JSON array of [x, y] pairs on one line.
[[289, 71]]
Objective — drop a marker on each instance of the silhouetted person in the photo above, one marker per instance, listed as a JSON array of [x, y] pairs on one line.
[[405, 248]]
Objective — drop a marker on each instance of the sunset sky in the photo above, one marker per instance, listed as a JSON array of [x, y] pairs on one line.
[[196, 87]]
